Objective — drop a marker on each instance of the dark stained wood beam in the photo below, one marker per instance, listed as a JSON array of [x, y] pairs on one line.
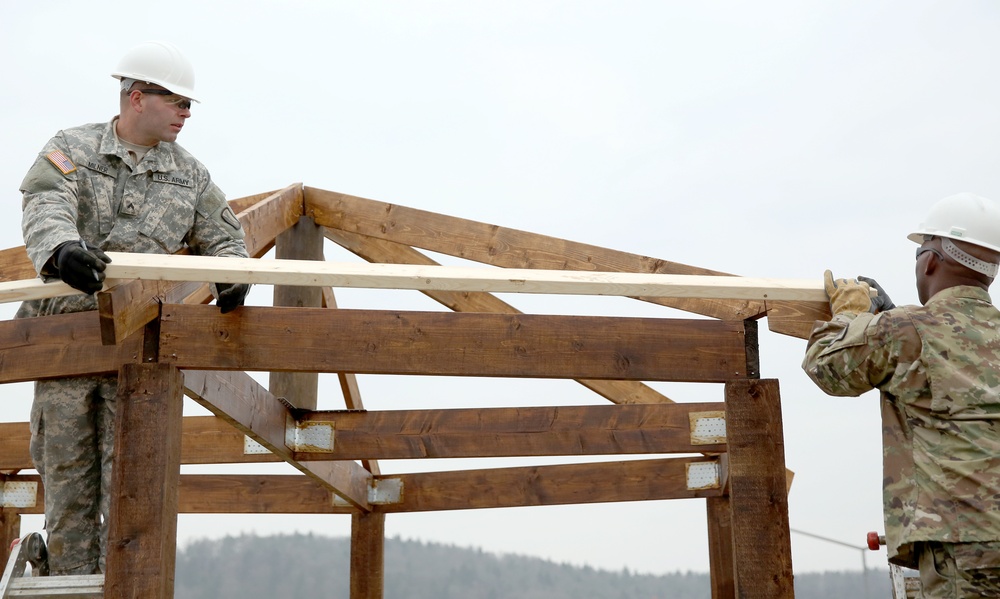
[[59, 346], [435, 343], [509, 432], [382, 251], [244, 403], [499, 246], [637, 480]]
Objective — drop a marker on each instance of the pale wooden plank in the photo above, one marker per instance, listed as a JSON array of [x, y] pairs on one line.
[[420, 277]]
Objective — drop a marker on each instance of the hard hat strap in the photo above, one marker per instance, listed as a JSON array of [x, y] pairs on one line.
[[960, 256]]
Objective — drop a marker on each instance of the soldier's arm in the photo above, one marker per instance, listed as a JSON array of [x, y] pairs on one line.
[[850, 355], [216, 230], [49, 205]]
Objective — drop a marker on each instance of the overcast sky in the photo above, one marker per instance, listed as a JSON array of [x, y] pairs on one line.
[[767, 139]]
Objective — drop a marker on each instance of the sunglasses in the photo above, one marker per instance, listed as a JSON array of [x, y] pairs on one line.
[[179, 101]]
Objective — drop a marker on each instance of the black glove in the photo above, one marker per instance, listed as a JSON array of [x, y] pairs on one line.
[[231, 295], [81, 266], [881, 302]]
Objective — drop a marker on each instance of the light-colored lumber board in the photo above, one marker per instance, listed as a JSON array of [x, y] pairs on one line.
[[142, 532], [382, 251], [455, 344], [561, 484], [245, 404], [513, 432], [409, 276], [757, 490], [500, 246]]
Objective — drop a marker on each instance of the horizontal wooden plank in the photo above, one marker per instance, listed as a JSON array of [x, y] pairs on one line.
[[510, 432], [439, 343], [58, 346], [636, 480], [422, 277]]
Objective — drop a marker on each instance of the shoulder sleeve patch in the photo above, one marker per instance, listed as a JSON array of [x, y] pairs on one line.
[[61, 162]]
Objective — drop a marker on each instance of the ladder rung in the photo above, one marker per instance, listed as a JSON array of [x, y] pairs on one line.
[[89, 586]]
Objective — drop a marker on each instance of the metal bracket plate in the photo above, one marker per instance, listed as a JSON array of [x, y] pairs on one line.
[[707, 428], [703, 475], [311, 436], [18, 494]]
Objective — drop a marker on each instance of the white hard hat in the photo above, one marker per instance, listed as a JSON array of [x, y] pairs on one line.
[[965, 217], [160, 63]]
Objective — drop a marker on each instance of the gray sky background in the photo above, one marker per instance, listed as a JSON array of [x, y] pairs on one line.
[[767, 139]]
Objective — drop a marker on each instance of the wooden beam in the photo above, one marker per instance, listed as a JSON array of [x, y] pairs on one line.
[[142, 532], [303, 241], [635, 480], [59, 346], [434, 343], [720, 548], [15, 265], [757, 494], [535, 431], [244, 403], [501, 246], [380, 250], [367, 555], [256, 494]]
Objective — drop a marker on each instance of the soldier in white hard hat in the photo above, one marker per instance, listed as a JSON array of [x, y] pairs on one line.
[[938, 369], [122, 186]]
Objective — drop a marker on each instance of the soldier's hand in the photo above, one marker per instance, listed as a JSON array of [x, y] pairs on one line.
[[881, 302], [231, 295], [81, 266], [846, 295]]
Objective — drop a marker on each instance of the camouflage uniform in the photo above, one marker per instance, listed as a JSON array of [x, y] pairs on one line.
[[938, 370], [164, 203]]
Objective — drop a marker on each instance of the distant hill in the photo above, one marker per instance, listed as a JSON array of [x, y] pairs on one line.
[[311, 566]]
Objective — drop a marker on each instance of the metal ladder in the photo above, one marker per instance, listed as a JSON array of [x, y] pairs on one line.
[[31, 550], [903, 587]]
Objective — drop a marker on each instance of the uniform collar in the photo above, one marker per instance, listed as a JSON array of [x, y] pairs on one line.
[[961, 292], [159, 159]]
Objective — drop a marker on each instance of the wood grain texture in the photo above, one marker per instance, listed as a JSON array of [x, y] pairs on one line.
[[58, 346], [638, 480], [757, 492], [142, 532], [468, 344], [510, 432], [499, 246], [245, 404]]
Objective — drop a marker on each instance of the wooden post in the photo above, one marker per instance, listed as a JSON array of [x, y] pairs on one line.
[[367, 555], [10, 529], [142, 533], [720, 547], [762, 552], [304, 241]]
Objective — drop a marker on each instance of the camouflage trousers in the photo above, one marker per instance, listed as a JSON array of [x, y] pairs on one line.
[[72, 444], [959, 570]]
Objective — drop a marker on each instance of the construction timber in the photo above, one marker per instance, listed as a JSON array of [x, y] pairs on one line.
[[153, 334]]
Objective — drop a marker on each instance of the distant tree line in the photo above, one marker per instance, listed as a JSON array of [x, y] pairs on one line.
[[312, 566]]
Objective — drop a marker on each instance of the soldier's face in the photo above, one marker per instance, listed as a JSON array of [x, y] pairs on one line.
[[163, 116]]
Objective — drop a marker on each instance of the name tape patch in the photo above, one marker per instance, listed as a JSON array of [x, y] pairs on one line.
[[61, 162], [161, 178]]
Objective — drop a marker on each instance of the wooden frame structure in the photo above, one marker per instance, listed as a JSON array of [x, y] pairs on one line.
[[153, 334]]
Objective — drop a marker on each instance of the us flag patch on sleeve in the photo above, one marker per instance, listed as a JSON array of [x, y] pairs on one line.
[[61, 162]]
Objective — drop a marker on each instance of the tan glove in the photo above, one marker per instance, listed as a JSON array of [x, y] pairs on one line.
[[847, 295]]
